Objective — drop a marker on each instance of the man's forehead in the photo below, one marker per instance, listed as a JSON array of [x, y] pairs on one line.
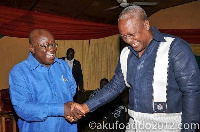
[[70, 52], [129, 25], [44, 38]]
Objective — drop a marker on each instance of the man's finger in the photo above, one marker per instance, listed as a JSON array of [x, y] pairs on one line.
[[69, 118]]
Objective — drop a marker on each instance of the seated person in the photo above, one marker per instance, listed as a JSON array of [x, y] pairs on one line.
[[104, 111], [103, 82]]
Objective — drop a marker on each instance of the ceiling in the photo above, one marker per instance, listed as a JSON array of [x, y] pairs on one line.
[[101, 11]]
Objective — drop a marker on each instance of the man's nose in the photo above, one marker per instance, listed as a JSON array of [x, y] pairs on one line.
[[52, 48]]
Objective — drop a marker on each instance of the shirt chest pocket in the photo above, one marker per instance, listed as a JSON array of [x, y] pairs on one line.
[[63, 82]]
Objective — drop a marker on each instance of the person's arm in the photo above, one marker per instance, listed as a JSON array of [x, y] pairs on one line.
[[188, 78], [26, 106], [108, 92]]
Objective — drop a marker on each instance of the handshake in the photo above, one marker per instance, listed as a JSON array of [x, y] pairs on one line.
[[74, 111]]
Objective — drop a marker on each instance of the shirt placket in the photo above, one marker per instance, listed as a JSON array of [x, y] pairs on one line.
[[55, 95], [53, 86], [138, 75]]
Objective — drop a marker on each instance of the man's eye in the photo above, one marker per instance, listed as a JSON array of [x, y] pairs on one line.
[[131, 35], [44, 46]]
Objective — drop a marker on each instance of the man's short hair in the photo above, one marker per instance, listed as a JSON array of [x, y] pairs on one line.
[[70, 50]]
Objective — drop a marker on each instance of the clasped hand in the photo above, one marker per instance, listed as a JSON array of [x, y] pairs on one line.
[[74, 111]]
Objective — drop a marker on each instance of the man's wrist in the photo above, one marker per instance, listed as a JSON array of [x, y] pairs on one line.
[[55, 109], [85, 108]]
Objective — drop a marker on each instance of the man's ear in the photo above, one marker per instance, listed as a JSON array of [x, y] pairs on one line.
[[31, 48], [146, 24]]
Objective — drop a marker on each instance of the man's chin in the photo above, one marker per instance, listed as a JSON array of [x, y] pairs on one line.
[[137, 49], [49, 62]]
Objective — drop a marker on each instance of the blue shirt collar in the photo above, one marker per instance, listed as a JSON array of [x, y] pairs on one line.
[[158, 36], [34, 63]]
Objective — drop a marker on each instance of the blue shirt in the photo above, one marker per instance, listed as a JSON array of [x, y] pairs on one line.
[[183, 89], [38, 95]]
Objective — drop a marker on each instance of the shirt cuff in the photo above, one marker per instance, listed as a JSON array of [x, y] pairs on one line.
[[56, 109], [90, 105]]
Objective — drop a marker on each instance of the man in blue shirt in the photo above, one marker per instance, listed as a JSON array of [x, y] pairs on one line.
[[162, 74], [42, 88]]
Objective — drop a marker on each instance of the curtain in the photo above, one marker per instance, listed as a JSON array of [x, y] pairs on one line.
[[98, 58], [189, 35], [18, 23], [13, 50]]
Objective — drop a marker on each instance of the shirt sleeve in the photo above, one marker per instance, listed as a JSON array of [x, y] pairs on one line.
[[109, 91], [188, 78], [25, 106]]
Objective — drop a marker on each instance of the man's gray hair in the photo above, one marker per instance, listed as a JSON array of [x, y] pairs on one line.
[[133, 11]]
